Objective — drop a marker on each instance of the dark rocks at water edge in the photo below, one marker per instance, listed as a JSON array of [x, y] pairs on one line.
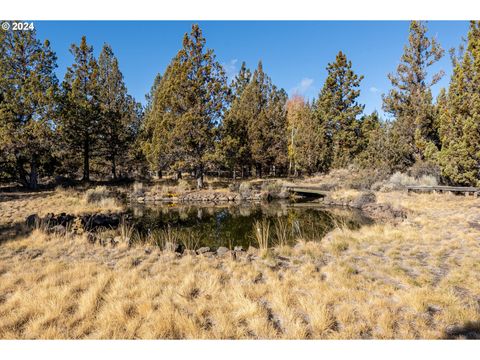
[[205, 196], [59, 223], [366, 202]]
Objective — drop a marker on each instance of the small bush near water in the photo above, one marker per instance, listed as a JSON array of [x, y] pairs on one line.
[[399, 181], [96, 194]]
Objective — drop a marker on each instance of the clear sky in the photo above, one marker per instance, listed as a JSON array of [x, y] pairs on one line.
[[294, 54]]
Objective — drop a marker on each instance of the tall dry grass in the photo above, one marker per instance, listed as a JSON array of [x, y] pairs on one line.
[[261, 231], [419, 279]]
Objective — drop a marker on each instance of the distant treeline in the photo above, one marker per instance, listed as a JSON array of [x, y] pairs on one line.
[[195, 121]]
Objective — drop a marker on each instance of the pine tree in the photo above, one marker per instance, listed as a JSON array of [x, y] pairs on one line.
[[28, 87], [189, 102], [338, 110], [233, 148], [118, 111], [81, 107], [459, 127], [410, 100]]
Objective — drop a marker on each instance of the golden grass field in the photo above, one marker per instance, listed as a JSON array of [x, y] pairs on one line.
[[419, 279]]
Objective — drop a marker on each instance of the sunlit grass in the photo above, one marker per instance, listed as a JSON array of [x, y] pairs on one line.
[[411, 280]]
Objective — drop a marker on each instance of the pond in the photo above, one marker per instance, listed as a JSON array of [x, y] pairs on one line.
[[233, 225]]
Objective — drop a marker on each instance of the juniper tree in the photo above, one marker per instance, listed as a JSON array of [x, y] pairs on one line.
[[337, 110], [150, 97], [459, 127], [306, 137], [233, 148], [409, 101], [368, 124], [28, 87], [263, 108], [81, 121], [189, 102]]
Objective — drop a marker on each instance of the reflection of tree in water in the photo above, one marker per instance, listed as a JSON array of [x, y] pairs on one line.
[[232, 225]]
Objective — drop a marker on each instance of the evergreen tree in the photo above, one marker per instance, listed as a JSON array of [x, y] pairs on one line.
[[263, 108], [81, 118], [337, 109], [410, 99], [459, 127], [295, 117], [368, 124], [189, 102], [233, 148], [118, 111], [306, 138], [27, 103], [150, 97]]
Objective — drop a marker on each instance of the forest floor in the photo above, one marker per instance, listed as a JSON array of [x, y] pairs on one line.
[[418, 279]]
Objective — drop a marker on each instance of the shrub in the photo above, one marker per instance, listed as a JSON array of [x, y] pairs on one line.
[[364, 199], [96, 195], [234, 187], [138, 189], [425, 169], [183, 185], [400, 181], [245, 189]]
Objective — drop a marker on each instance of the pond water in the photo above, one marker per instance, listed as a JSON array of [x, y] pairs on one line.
[[233, 225]]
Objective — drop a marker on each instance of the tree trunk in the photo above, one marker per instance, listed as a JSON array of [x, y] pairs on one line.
[[258, 171], [178, 175], [234, 174], [86, 160], [159, 174], [33, 178], [199, 176], [114, 168]]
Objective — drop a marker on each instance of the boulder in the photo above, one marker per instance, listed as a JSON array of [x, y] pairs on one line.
[[208, 254], [32, 220], [222, 250], [238, 248], [203, 250], [92, 222], [58, 230], [179, 248]]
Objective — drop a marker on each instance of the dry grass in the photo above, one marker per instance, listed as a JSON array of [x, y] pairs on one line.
[[15, 207], [344, 195], [383, 281]]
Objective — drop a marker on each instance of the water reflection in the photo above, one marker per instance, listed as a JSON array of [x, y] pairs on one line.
[[232, 225]]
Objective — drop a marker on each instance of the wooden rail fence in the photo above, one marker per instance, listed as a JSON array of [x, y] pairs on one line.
[[446, 189]]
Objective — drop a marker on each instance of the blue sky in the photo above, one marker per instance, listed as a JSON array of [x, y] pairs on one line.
[[294, 54]]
